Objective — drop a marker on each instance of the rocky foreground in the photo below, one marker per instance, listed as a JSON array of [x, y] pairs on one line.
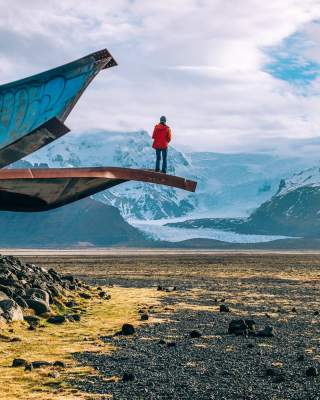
[[227, 327]]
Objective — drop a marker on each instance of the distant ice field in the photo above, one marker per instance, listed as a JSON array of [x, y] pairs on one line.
[[157, 231]]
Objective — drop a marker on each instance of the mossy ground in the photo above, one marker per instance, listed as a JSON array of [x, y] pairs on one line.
[[58, 342]]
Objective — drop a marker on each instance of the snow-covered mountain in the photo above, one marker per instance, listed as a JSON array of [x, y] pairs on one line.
[[293, 211], [105, 148], [229, 184]]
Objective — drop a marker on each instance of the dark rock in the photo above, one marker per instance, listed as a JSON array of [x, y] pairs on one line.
[[69, 278], [7, 290], [266, 332], [56, 319], [167, 289], [171, 344], [301, 357], [71, 304], [250, 345], [241, 327], [224, 308], [104, 295], [161, 341], [39, 306], [19, 362], [127, 329], [294, 310], [195, 334], [73, 317], [144, 317], [316, 313], [40, 364], [127, 377], [85, 295], [60, 364], [312, 372], [33, 321], [22, 303]]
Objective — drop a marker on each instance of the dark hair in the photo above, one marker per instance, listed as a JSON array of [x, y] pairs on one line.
[[163, 119]]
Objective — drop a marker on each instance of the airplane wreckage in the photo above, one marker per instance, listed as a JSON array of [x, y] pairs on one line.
[[32, 115]]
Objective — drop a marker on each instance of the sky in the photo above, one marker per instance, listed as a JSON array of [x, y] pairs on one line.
[[230, 75]]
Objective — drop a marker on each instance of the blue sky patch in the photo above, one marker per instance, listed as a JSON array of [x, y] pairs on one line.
[[290, 61]]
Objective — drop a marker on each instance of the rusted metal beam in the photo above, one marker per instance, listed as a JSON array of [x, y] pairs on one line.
[[45, 189]]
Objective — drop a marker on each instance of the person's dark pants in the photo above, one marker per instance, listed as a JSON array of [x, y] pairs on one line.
[[161, 153]]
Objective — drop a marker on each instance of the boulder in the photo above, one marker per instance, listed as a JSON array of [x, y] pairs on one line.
[[195, 334], [32, 320], [224, 308], [38, 294], [144, 317], [22, 303], [241, 327], [39, 306], [3, 296], [266, 332], [11, 311], [57, 319], [127, 329], [19, 362]]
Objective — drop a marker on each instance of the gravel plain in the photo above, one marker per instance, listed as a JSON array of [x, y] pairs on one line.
[[162, 361]]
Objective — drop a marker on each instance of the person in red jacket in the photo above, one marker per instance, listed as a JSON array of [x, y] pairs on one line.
[[161, 139]]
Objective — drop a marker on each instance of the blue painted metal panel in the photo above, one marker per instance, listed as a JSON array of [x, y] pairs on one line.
[[27, 104]]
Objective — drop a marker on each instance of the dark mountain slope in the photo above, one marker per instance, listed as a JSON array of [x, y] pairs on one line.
[[84, 222]]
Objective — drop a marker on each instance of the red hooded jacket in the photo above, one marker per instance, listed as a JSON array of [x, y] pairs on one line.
[[161, 136]]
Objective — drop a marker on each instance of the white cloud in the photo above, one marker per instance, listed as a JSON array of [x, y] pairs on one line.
[[200, 62]]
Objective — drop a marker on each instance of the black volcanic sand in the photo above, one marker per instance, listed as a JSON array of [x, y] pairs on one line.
[[216, 365]]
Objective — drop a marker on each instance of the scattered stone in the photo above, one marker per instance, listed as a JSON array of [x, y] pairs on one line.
[[40, 364], [71, 304], [224, 308], [161, 341], [19, 362], [250, 345], [29, 367], [57, 319], [266, 332], [104, 295], [241, 327], [195, 334], [167, 289], [171, 344], [59, 364], [39, 306], [127, 377], [144, 317], [85, 295], [33, 321], [312, 372], [301, 357], [127, 329], [294, 310], [73, 317]]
